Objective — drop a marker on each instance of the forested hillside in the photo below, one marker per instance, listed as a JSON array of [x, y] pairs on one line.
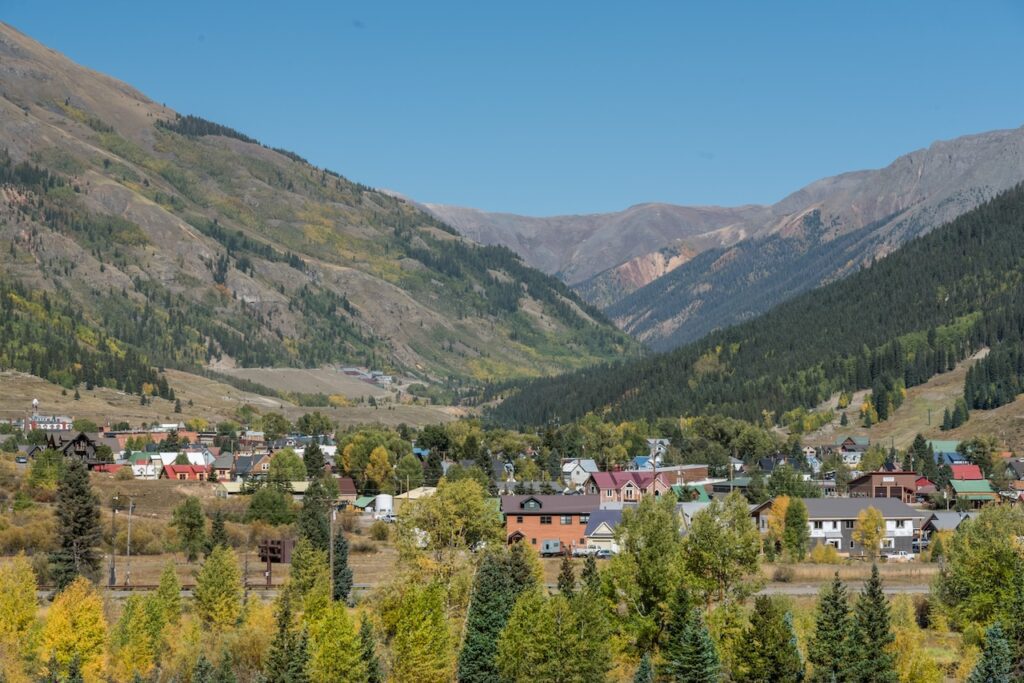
[[890, 326], [193, 245]]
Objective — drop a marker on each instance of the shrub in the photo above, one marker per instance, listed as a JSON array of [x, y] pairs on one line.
[[825, 554], [33, 530], [783, 574], [124, 474], [348, 521], [362, 546], [379, 531]]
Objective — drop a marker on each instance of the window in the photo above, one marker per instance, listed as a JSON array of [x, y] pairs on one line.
[[181, 476], [531, 504], [265, 466], [888, 543], [583, 541], [901, 523], [533, 541], [566, 519], [817, 524], [545, 519], [847, 523], [608, 493], [519, 519], [584, 519], [851, 545], [835, 525]]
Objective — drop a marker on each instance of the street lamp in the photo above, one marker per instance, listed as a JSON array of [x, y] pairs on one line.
[[113, 538]]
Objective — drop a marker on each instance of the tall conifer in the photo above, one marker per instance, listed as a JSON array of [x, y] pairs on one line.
[[78, 526], [872, 659], [829, 648]]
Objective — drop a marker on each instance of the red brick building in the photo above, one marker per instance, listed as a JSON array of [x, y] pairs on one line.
[[536, 519]]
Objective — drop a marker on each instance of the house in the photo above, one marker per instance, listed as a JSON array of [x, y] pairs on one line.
[[729, 485], [973, 492], [223, 465], [680, 475], [600, 531], [851, 458], [576, 471], [644, 463], [687, 510], [965, 471], [898, 485], [925, 487], [242, 467], [950, 459], [411, 496], [686, 493], [1014, 468], [832, 521], [625, 487], [945, 520], [346, 491], [186, 472], [251, 439], [853, 444], [535, 519], [657, 448]]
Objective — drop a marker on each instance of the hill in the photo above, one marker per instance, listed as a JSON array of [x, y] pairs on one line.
[[893, 325], [669, 274], [134, 237]]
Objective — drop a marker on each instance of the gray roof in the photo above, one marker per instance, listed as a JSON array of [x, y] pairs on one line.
[[224, 461], [550, 505], [1017, 465], [849, 508], [587, 464], [598, 517], [243, 464], [943, 520]]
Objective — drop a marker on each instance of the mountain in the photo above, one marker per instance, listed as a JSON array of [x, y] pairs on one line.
[[737, 263], [892, 325], [131, 231]]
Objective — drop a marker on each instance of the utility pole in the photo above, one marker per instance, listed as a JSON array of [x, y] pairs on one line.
[[112, 581], [334, 513], [128, 568]]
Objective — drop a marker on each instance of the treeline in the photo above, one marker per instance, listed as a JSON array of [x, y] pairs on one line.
[[907, 317], [237, 241], [196, 126], [996, 379]]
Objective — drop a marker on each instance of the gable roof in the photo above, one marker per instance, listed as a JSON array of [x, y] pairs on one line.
[[969, 486], [346, 486], [940, 446], [550, 504], [966, 471], [943, 520], [175, 470], [857, 440], [1017, 465], [849, 508], [224, 461], [599, 517], [688, 494], [616, 480], [585, 464]]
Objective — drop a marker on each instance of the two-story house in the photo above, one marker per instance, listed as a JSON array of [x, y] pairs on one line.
[[625, 487], [898, 485], [832, 521], [535, 519], [576, 471]]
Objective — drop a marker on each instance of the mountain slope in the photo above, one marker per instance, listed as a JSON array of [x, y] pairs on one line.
[[746, 260], [890, 326], [194, 245]]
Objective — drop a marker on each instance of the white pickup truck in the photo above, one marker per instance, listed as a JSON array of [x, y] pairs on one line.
[[901, 556]]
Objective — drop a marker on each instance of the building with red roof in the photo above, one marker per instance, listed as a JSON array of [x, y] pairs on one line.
[[625, 487], [186, 472], [966, 472]]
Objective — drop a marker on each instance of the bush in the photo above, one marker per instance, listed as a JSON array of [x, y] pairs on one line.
[[825, 554], [362, 546], [349, 519], [783, 574], [379, 531], [124, 474], [33, 530]]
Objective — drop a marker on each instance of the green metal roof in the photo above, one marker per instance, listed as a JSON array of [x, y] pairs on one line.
[[944, 446], [685, 493], [962, 486], [363, 501]]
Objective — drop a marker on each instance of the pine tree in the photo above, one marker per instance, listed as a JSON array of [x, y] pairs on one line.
[[947, 420], [502, 576], [342, 572], [225, 670], [433, 471], [202, 672], [590, 576], [566, 578], [995, 665], [422, 646], [335, 651], [218, 532], [843, 420], [314, 523], [218, 592], [286, 662], [190, 524], [689, 653], [313, 457], [828, 649], [937, 551], [872, 660], [1013, 625], [771, 651], [368, 646], [644, 672], [78, 527]]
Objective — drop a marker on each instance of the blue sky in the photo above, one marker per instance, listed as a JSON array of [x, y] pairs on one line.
[[566, 107]]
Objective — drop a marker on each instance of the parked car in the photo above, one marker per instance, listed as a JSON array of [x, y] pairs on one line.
[[920, 544], [388, 517], [603, 554], [21, 460], [550, 549], [901, 556], [583, 551]]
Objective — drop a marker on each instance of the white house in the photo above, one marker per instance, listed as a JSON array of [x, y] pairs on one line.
[[575, 472]]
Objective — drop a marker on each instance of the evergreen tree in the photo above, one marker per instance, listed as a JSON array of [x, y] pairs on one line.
[[796, 535], [287, 660], [202, 672], [502, 576], [168, 595], [947, 420], [78, 527], [342, 572], [433, 472], [218, 593], [218, 532], [996, 664], [225, 670], [368, 644], [566, 578], [843, 420], [190, 524], [689, 653], [590, 576], [771, 650], [313, 457], [828, 649], [314, 523], [422, 646], [1013, 625], [644, 672], [872, 660], [937, 551]]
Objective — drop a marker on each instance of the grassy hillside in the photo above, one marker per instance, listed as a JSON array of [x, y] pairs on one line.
[[894, 325], [188, 243]]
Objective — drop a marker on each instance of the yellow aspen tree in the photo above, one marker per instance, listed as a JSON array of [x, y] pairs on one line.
[[218, 594], [335, 651], [76, 629]]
